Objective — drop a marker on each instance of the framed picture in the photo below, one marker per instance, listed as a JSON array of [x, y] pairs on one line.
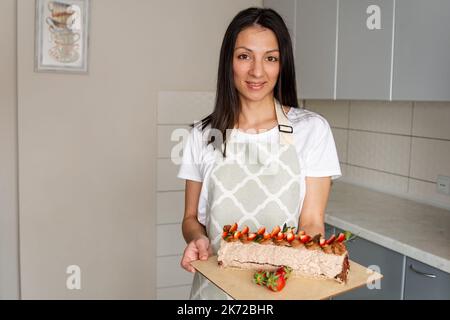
[[62, 34]]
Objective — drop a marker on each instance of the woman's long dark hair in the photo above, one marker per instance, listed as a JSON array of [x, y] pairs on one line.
[[227, 104]]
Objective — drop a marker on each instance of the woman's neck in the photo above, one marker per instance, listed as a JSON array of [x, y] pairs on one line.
[[257, 114]]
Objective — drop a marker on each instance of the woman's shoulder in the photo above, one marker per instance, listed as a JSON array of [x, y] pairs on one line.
[[200, 134], [306, 118]]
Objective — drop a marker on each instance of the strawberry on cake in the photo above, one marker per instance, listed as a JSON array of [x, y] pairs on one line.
[[307, 256]]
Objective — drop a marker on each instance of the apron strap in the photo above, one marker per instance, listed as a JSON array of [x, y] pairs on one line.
[[284, 125]]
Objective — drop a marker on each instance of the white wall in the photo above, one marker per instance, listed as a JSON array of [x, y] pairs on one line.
[[9, 214]]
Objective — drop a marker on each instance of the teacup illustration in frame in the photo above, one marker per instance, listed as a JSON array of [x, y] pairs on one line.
[[62, 35]]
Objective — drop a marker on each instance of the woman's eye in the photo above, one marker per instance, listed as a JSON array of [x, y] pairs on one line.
[[272, 59], [243, 56]]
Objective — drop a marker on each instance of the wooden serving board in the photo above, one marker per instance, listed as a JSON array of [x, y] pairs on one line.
[[238, 283]]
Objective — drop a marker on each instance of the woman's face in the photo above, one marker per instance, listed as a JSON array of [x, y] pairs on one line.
[[256, 63]]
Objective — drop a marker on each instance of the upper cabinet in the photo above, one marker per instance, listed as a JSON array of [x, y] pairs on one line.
[[312, 26], [364, 49], [315, 48], [372, 50], [422, 50]]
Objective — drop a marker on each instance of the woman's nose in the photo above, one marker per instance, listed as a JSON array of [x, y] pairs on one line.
[[257, 68]]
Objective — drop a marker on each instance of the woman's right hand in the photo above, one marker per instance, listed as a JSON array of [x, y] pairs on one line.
[[198, 249]]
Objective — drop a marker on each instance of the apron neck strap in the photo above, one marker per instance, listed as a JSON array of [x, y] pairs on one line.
[[284, 125]]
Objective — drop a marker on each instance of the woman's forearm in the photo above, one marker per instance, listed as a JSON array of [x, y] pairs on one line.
[[192, 229]]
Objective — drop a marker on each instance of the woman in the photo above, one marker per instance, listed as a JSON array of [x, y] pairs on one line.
[[258, 159]]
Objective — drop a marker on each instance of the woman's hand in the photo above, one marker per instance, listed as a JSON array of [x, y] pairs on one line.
[[197, 249]]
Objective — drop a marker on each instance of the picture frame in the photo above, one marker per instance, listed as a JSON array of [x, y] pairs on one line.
[[62, 36]]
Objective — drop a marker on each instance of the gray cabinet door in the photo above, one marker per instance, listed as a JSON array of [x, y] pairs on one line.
[[390, 265], [364, 51], [422, 50], [315, 48], [425, 282], [286, 9]]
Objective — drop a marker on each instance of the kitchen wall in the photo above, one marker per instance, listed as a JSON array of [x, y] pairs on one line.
[[9, 231], [93, 183], [87, 148], [395, 147]]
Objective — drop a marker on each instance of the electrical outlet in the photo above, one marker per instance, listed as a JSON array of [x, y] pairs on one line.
[[443, 184]]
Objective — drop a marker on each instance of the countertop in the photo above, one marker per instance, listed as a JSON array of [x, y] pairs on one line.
[[413, 229]]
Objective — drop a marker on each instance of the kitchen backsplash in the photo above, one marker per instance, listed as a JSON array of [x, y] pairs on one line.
[[395, 147]]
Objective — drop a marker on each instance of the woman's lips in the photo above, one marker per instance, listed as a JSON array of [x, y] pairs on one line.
[[255, 85]]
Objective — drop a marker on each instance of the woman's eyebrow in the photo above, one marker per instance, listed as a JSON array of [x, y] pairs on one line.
[[252, 50]]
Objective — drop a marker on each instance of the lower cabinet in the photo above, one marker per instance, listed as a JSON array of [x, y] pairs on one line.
[[425, 282], [385, 261], [421, 281]]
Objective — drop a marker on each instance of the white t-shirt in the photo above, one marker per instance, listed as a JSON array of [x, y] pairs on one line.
[[313, 141]]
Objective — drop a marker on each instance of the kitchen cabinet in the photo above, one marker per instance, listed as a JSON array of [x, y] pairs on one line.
[[364, 49], [425, 282], [312, 26], [390, 265], [315, 48], [370, 50], [422, 50], [286, 9]]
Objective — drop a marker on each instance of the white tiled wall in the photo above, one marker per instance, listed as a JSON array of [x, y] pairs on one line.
[[176, 111], [397, 147]]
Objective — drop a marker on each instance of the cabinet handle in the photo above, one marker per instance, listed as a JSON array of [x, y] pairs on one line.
[[429, 275]]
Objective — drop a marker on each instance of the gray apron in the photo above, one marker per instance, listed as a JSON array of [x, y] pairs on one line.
[[256, 184]]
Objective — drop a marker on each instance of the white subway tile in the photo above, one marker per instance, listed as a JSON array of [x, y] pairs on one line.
[[175, 293], [379, 151], [184, 107], [427, 192], [169, 240], [169, 273], [167, 176], [432, 119], [376, 179], [335, 111], [429, 158], [170, 207], [170, 136], [381, 116]]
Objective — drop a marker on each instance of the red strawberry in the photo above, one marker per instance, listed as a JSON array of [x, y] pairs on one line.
[[341, 237], [226, 228], [237, 235], [266, 236], [284, 271], [301, 233], [322, 242], [251, 236], [275, 282], [331, 239], [280, 236], [261, 230], [233, 228], [305, 238], [244, 230], [275, 231], [290, 237], [224, 234], [260, 278]]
